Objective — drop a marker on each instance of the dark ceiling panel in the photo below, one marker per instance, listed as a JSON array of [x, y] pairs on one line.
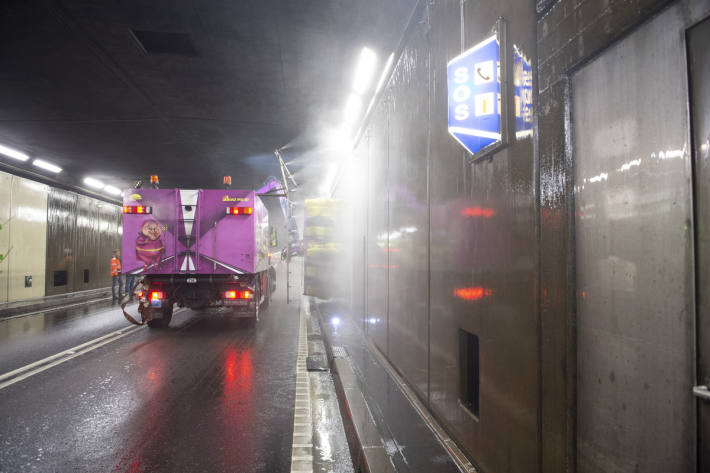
[[76, 89], [165, 42]]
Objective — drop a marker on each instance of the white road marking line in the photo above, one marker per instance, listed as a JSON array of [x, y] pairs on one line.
[[44, 364], [70, 351], [302, 405], [55, 309], [62, 360]]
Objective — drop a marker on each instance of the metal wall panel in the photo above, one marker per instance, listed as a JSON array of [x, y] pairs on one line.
[[28, 238], [110, 231], [484, 248], [51, 230], [481, 245], [82, 234], [377, 227], [634, 255], [699, 62], [61, 241], [356, 192], [86, 248], [5, 202], [408, 212]]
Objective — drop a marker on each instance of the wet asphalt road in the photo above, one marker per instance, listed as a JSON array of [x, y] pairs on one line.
[[208, 394]]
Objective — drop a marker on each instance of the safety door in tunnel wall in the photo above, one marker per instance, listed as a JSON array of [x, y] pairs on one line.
[[699, 70], [634, 254]]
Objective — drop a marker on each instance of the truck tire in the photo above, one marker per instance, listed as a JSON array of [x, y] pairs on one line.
[[164, 321]]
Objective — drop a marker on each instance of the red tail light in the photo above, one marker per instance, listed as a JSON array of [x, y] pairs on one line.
[[157, 295], [137, 209], [237, 295], [239, 210]]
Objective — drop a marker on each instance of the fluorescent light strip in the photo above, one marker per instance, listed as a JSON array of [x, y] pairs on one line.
[[352, 109], [13, 153], [328, 181], [112, 190], [365, 69], [46, 166], [94, 183]]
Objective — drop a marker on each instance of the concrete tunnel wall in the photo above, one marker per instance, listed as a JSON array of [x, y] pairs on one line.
[[54, 236]]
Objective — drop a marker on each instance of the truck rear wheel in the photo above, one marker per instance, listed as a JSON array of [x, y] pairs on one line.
[[166, 314]]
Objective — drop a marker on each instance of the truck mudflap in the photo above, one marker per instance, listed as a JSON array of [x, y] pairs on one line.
[[144, 312]]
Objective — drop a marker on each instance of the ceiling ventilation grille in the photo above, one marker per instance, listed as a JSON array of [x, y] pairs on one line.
[[161, 42]]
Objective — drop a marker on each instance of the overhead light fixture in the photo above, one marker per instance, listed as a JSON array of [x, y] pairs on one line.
[[46, 166], [364, 71], [352, 109], [94, 183], [13, 153], [337, 137], [385, 72], [113, 190], [330, 177]]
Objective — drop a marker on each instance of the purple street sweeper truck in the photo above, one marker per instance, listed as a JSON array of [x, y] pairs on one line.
[[196, 248]]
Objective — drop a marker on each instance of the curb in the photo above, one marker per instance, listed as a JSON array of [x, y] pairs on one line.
[[366, 448]]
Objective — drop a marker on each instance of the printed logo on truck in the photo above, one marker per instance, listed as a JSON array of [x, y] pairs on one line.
[[226, 198]]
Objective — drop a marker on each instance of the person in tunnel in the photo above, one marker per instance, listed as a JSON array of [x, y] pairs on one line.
[[116, 275], [130, 285]]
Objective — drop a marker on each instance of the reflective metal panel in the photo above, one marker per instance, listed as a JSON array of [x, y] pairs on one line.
[[109, 216], [377, 227], [61, 241], [356, 193], [634, 255], [28, 238], [699, 67], [408, 237], [5, 202], [86, 248], [483, 265]]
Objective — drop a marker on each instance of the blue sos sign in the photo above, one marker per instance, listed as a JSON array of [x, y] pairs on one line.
[[474, 96]]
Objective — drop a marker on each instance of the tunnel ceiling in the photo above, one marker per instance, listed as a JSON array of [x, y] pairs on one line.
[[190, 90]]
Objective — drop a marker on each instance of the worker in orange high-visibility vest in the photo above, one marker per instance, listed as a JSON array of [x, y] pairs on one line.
[[116, 275]]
